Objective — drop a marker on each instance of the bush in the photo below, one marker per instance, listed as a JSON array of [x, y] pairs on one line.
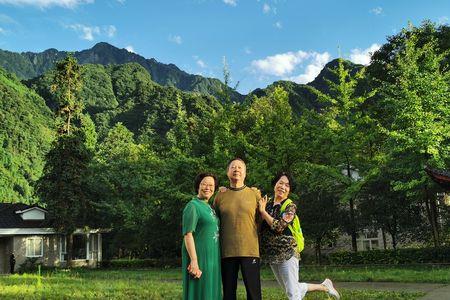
[[30, 265], [141, 263], [392, 257]]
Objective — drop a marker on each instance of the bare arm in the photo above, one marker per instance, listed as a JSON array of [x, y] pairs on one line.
[[193, 268], [262, 210], [275, 224]]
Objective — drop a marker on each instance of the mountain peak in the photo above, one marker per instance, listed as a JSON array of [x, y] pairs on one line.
[[103, 46]]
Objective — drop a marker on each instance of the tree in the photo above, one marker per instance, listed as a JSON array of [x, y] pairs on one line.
[[66, 84], [347, 135], [418, 103], [62, 188]]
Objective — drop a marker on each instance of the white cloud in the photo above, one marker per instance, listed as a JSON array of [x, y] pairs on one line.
[[443, 20], [278, 25], [130, 48], [377, 10], [199, 62], [87, 32], [319, 60], [47, 3], [279, 64], [91, 32], [284, 64], [230, 2], [266, 8], [247, 50], [7, 19], [362, 57], [2, 31], [176, 39], [110, 31]]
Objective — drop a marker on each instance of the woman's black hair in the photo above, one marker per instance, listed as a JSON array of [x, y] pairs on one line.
[[200, 177], [289, 177]]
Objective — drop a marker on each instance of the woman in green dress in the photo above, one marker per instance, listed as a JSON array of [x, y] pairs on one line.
[[201, 248]]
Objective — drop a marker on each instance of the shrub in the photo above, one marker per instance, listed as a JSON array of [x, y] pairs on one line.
[[141, 263], [395, 257]]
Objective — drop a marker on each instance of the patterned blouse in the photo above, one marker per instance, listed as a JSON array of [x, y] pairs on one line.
[[277, 242]]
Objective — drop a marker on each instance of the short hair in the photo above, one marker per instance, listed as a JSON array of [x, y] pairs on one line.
[[289, 177], [200, 177], [236, 158]]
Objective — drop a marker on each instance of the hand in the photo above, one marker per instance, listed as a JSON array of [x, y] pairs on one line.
[[194, 270], [288, 216], [262, 204], [222, 189]]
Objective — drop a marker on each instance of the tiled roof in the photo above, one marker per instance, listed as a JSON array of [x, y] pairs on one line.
[[442, 177], [9, 218]]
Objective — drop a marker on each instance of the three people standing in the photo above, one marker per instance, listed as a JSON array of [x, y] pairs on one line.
[[241, 210]]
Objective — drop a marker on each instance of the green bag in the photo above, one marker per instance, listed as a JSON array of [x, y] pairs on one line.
[[294, 227]]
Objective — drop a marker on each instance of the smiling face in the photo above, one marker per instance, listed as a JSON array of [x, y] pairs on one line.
[[282, 188], [236, 172], [206, 188]]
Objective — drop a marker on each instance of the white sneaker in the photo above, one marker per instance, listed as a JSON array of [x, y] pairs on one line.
[[331, 290]]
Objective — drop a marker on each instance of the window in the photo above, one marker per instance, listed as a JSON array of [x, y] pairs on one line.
[[62, 248], [34, 247], [79, 246]]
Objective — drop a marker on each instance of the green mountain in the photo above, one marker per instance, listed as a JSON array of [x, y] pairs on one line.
[[126, 93], [302, 96], [26, 132], [27, 65]]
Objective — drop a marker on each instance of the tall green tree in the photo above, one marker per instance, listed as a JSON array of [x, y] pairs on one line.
[[346, 125], [62, 188], [66, 85], [419, 105]]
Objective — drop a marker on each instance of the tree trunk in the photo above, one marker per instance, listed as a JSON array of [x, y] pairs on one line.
[[318, 251], [431, 208], [68, 123], [69, 250], [383, 233], [352, 214], [352, 226], [394, 240]]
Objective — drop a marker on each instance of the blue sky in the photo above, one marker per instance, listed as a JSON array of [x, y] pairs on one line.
[[262, 40]]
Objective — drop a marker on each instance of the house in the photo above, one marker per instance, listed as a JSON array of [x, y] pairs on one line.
[[25, 231]]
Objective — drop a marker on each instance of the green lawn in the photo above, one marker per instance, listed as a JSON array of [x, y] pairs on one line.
[[421, 274], [134, 284]]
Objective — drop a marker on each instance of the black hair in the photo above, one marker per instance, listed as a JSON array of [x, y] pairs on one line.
[[200, 177], [289, 177], [236, 158]]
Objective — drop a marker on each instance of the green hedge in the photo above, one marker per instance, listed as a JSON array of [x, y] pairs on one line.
[[141, 263], [395, 257]]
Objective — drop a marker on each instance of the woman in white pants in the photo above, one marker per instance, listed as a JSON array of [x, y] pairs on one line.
[[278, 245]]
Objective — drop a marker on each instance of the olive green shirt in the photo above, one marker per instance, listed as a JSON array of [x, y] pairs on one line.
[[239, 218]]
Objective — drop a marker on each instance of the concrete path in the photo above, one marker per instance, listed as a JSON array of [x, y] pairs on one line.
[[434, 291]]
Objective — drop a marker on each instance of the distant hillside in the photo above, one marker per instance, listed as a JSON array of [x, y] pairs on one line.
[[125, 93], [302, 96], [26, 131], [28, 65]]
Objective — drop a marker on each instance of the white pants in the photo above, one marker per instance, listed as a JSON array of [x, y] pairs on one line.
[[286, 274]]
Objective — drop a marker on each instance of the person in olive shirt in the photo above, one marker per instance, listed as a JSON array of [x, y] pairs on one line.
[[237, 208]]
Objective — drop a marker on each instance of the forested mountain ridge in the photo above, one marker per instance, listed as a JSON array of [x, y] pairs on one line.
[[126, 93], [27, 65], [26, 132]]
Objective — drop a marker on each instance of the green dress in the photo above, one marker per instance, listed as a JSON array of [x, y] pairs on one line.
[[200, 219]]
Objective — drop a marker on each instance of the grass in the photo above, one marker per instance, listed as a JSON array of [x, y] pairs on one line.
[[410, 274], [136, 284]]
